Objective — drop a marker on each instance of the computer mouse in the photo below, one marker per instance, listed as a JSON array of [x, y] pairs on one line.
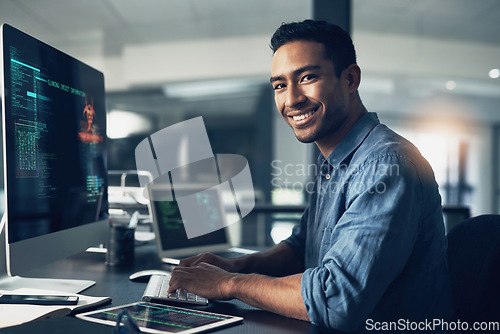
[[144, 275]]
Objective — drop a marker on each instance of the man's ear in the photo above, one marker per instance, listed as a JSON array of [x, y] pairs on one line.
[[352, 75]]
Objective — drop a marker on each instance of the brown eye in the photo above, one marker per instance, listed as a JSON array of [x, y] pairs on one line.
[[308, 77]]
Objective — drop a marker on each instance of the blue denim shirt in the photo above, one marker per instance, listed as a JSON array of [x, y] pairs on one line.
[[373, 235]]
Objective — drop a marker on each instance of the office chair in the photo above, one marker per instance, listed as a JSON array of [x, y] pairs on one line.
[[474, 264]]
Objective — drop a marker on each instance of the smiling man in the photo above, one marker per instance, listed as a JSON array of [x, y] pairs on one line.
[[370, 248]]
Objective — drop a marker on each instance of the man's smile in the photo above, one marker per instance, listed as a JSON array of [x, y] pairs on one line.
[[301, 118]]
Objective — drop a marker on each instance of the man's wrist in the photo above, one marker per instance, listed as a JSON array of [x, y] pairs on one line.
[[232, 285], [240, 264]]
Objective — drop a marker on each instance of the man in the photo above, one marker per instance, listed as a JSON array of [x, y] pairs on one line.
[[371, 247]]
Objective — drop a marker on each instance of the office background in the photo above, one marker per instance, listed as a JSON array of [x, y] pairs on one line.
[[428, 71]]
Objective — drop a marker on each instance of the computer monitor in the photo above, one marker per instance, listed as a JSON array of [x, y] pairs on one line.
[[54, 159]]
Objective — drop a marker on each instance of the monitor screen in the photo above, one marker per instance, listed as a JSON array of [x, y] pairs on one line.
[[54, 132]]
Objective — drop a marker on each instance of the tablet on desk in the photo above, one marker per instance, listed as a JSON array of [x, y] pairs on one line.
[[155, 318]]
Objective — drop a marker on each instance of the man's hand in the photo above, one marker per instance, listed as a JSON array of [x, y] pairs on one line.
[[226, 264], [203, 279], [270, 280]]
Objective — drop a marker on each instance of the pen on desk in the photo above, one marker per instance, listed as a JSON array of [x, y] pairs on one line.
[[134, 220]]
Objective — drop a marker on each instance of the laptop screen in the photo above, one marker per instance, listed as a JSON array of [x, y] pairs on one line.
[[171, 234]]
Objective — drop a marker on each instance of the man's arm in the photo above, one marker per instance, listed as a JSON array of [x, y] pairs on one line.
[[248, 278], [280, 295], [279, 260]]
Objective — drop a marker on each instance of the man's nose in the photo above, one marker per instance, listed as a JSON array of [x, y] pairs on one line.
[[294, 96]]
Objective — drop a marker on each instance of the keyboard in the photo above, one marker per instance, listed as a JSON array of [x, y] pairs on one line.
[[156, 292]]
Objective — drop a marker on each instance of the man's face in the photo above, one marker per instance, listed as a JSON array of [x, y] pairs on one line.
[[308, 95]]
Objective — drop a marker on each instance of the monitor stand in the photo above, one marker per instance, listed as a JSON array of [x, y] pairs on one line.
[[8, 282]]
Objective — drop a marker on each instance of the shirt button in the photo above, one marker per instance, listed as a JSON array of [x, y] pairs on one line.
[[327, 176]]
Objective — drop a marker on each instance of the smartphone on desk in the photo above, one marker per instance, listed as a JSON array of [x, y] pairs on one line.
[[38, 299]]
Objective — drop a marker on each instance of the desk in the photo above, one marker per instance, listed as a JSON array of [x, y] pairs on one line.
[[114, 282]]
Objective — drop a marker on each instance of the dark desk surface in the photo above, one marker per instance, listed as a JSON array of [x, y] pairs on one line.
[[114, 282]]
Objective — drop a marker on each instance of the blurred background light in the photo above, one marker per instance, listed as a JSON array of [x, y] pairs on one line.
[[494, 73], [122, 124]]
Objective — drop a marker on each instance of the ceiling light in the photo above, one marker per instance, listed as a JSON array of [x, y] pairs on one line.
[[209, 88], [494, 73], [450, 85]]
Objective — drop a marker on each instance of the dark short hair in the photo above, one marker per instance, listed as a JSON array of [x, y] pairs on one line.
[[337, 42]]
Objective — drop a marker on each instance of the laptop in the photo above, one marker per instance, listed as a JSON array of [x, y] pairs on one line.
[[171, 238]]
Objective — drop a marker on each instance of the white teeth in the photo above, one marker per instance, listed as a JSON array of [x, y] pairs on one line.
[[301, 117]]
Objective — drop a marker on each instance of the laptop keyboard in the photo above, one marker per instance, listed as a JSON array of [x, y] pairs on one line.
[[156, 291]]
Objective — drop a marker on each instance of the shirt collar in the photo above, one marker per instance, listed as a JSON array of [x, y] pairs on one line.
[[352, 140]]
